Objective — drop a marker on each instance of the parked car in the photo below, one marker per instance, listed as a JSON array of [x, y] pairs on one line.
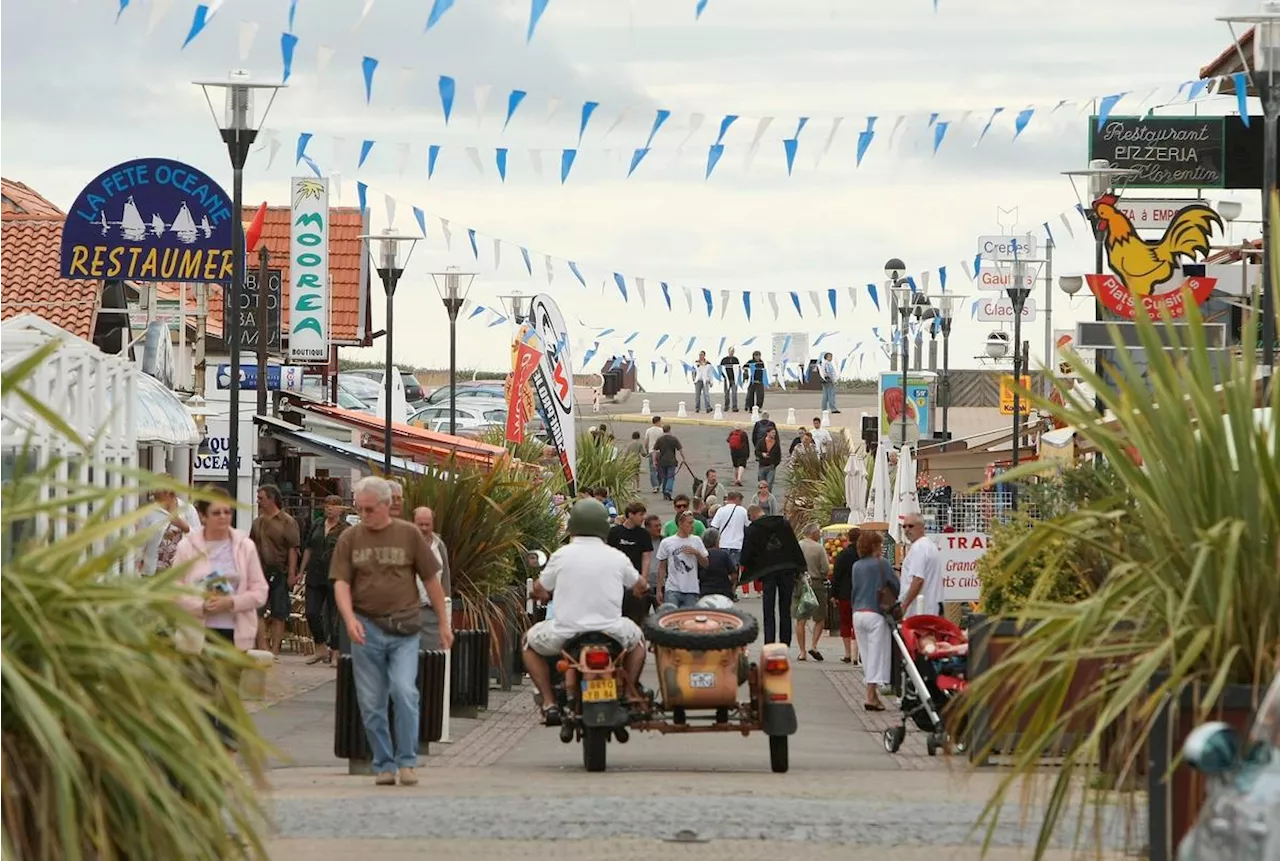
[[471, 415], [361, 386], [313, 389], [488, 389], [413, 391]]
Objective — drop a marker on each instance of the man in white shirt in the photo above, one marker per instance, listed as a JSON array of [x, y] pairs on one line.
[[679, 558], [921, 572], [731, 520], [821, 437], [425, 519], [702, 383], [651, 435], [587, 578]]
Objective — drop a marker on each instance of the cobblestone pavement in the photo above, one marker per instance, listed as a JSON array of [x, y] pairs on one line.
[[495, 735], [851, 686]]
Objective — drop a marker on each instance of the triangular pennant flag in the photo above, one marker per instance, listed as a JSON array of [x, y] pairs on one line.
[[513, 102], [831, 299], [364, 13], [497, 253], [1020, 122], [573, 267], [288, 42], [473, 155], [816, 302], [1066, 222], [448, 89], [553, 107], [724, 303], [438, 8], [725, 123], [864, 139], [640, 289], [368, 66], [303, 139], [535, 160], [1241, 82], [874, 294], [433, 153], [939, 132], [588, 108], [789, 148], [481, 93], [528, 264], [622, 285], [695, 123], [1105, 106], [420, 217], [666, 293], [390, 203], [550, 267], [688, 348], [942, 279], [273, 147], [1196, 89], [448, 234], [630, 338], [893, 133], [795, 300], [617, 121], [403, 154], [248, 31], [688, 298], [831, 137], [658, 120], [761, 127], [995, 113], [366, 147], [535, 15], [636, 158], [198, 21], [159, 8], [773, 303], [713, 157], [706, 297], [471, 235], [566, 163], [362, 193], [1048, 234], [500, 157], [746, 303], [699, 8]]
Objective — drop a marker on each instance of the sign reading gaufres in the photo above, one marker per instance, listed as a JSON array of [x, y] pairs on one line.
[[309, 271], [150, 219], [1166, 152]]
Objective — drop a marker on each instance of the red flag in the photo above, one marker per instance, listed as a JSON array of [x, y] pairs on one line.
[[253, 232], [526, 360]]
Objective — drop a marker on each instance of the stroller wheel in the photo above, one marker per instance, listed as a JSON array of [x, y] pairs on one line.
[[893, 738], [931, 745]]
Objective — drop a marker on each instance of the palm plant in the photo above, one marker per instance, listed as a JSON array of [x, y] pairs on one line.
[[108, 747], [815, 485], [1189, 601], [532, 450], [600, 464]]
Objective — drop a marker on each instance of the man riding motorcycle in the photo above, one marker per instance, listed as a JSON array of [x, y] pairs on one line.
[[588, 578]]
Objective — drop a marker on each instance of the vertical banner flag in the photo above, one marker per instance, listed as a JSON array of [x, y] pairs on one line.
[[553, 384], [309, 271], [525, 360]]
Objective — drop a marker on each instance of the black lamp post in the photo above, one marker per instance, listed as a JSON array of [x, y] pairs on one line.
[[901, 292], [1018, 290], [946, 311], [453, 294], [238, 132], [390, 265], [1266, 84]]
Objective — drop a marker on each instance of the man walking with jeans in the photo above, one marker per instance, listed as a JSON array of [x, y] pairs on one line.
[[376, 567], [827, 370], [667, 452], [651, 435]]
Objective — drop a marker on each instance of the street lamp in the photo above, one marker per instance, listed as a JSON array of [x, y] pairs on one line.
[[514, 303], [1266, 84], [1018, 291], [453, 294], [901, 293], [895, 277], [390, 265], [1099, 178], [945, 309], [238, 132]]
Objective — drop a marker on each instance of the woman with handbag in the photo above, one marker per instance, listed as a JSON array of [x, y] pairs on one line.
[[874, 593]]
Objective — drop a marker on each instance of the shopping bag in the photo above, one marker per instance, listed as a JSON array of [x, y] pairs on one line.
[[806, 601]]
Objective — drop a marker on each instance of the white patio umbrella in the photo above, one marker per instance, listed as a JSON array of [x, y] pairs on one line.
[[878, 503], [905, 498], [855, 487]]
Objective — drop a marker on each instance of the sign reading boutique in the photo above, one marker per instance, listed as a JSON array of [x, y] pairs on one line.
[[1166, 152], [309, 271]]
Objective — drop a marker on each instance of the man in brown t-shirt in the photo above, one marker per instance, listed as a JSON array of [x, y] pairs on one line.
[[375, 570], [275, 534]]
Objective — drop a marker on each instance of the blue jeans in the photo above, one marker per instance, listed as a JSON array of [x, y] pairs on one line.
[[701, 396], [388, 665], [730, 388], [655, 477], [766, 474], [829, 396], [735, 555], [681, 600], [668, 474]]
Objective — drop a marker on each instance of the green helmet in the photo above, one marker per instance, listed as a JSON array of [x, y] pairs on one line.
[[589, 517]]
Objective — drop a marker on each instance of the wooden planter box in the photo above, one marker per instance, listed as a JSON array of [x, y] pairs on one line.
[[989, 639], [1175, 799]]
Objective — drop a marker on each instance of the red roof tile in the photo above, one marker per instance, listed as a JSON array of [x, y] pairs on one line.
[[19, 200], [1228, 62], [30, 249], [345, 253]]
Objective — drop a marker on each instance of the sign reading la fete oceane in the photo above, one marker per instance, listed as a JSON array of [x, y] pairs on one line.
[[150, 219]]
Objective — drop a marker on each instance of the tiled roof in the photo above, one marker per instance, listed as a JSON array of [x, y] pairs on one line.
[[19, 200], [345, 250], [30, 249], [1228, 62]]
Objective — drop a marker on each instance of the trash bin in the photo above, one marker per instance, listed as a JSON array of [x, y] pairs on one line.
[[612, 383], [469, 672], [349, 739]]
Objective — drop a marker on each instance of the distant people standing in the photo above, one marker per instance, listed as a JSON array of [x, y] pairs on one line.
[[651, 435], [753, 377], [668, 452], [701, 383], [739, 451], [771, 554], [768, 456], [729, 369], [425, 519], [827, 370], [275, 534]]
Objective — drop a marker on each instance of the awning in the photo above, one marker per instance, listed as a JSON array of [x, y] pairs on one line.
[[361, 458], [408, 439], [161, 418]]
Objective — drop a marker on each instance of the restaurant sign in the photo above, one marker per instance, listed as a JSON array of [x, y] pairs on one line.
[[150, 219], [1165, 152]]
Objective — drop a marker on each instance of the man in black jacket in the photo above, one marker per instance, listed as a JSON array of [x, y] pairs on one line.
[[761, 428], [771, 554], [753, 374]]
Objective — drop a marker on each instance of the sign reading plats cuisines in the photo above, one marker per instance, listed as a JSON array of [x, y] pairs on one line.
[[309, 271]]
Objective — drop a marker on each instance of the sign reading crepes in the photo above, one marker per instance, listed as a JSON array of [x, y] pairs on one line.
[[1165, 152], [309, 271]]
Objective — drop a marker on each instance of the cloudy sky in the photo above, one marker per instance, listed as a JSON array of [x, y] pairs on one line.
[[82, 91]]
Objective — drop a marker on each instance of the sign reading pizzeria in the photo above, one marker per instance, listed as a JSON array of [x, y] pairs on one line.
[[1165, 152], [1145, 273]]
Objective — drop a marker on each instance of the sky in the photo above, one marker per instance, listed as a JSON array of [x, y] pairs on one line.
[[105, 88]]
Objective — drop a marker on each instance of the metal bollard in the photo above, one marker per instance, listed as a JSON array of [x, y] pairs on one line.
[[718, 413], [791, 415], [644, 407], [681, 412], [826, 418]]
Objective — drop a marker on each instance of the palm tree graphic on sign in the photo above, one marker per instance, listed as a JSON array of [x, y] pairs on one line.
[[308, 188]]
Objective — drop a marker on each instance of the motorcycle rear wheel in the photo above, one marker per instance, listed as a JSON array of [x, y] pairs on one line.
[[595, 748]]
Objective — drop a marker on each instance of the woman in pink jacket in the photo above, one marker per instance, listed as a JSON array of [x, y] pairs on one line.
[[225, 567]]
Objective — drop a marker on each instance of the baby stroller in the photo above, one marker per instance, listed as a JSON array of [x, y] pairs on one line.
[[933, 652]]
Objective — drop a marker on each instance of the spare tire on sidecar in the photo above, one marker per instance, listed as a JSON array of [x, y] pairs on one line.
[[700, 629], [700, 655]]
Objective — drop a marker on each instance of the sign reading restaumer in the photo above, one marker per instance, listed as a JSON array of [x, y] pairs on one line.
[[150, 219], [309, 270]]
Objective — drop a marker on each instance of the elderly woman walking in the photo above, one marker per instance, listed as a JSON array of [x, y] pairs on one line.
[[871, 573]]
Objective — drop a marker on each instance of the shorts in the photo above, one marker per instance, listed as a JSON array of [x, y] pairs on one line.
[[738, 458], [819, 613], [547, 639], [278, 603]]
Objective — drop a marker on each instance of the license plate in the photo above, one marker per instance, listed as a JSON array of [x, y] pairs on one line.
[[599, 690], [702, 680]]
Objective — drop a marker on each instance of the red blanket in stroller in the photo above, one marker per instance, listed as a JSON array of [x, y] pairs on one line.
[[940, 641]]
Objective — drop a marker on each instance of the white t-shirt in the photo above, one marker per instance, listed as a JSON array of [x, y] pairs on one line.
[[588, 578], [822, 439], [731, 520], [651, 435], [923, 561], [682, 568], [702, 373], [436, 541], [223, 579]]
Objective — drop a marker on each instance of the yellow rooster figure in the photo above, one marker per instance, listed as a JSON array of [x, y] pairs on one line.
[[1142, 266]]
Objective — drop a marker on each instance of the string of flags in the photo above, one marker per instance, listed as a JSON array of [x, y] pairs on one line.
[[682, 299]]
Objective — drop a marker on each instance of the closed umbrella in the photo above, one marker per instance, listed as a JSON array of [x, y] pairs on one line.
[[878, 504], [906, 501], [855, 487]]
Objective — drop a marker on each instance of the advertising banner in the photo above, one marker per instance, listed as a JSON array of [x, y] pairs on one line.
[[249, 310], [1165, 152], [309, 271], [915, 402], [960, 552], [279, 379], [1006, 396], [150, 219], [553, 383], [526, 358]]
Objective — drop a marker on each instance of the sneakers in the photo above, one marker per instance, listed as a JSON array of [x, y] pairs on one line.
[[385, 778], [408, 777]]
